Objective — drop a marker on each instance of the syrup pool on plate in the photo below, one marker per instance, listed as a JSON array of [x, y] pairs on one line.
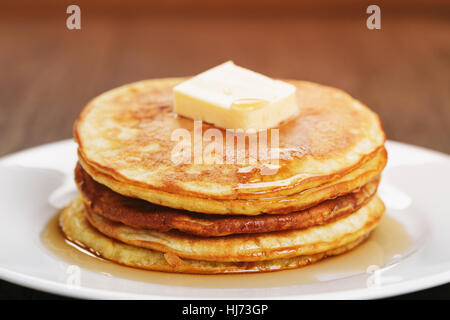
[[387, 241]]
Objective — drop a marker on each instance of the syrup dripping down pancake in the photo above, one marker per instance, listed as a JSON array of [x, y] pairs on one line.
[[276, 205], [142, 214]]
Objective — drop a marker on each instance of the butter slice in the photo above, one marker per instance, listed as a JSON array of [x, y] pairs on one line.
[[232, 97]]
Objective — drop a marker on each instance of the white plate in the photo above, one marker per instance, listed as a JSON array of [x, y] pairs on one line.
[[415, 188]]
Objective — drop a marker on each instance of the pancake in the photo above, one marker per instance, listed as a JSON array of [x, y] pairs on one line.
[[124, 139], [277, 205], [142, 214], [252, 247], [77, 229]]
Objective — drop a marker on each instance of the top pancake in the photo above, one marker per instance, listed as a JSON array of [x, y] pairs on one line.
[[125, 134]]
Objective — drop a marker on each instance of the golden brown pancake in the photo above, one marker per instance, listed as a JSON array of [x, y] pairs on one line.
[[276, 205], [142, 214], [124, 139], [247, 247], [77, 229]]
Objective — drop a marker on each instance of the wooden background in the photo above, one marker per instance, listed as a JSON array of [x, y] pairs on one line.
[[48, 73]]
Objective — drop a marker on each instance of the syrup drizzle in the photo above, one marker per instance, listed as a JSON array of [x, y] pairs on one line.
[[387, 242]]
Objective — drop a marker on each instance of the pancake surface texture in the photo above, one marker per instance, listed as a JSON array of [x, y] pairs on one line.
[[334, 146], [142, 214], [77, 229]]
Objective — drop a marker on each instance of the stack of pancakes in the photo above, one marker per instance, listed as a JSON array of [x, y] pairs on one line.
[[140, 209]]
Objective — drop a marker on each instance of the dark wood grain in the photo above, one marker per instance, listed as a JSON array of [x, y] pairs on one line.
[[49, 73]]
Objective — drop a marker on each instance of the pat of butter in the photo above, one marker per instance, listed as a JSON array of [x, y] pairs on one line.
[[232, 97]]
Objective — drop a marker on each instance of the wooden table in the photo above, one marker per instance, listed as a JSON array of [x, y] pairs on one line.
[[48, 73]]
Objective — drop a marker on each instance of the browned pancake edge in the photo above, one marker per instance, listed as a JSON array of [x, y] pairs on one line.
[[142, 214]]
